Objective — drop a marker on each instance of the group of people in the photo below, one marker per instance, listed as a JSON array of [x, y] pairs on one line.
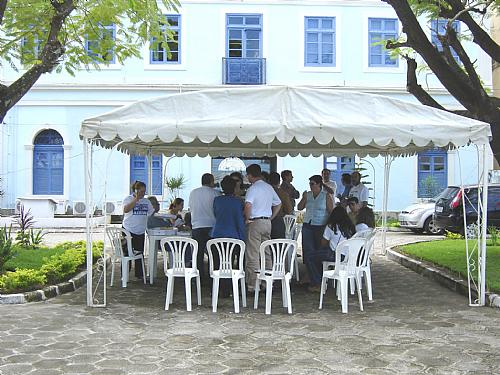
[[258, 216]]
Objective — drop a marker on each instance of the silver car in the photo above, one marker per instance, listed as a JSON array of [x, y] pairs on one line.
[[419, 218]]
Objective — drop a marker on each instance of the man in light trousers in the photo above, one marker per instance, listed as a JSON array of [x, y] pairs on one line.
[[262, 204]]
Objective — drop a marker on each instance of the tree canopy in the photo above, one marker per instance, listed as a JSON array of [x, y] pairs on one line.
[[448, 58], [40, 36]]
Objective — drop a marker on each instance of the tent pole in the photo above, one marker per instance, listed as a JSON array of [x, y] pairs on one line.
[[483, 229], [150, 171], [87, 219], [387, 166]]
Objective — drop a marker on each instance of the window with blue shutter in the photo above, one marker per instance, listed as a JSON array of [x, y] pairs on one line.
[[379, 30], [139, 171], [103, 40], [158, 53], [438, 27], [244, 63], [338, 166], [432, 173], [48, 163], [319, 41]]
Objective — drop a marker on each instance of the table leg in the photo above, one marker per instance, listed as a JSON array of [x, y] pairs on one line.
[[151, 259]]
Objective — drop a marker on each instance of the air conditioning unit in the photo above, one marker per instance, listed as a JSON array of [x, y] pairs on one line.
[[113, 208], [79, 208], [62, 207]]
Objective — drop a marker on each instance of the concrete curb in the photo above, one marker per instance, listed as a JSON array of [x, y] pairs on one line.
[[48, 292], [457, 284]]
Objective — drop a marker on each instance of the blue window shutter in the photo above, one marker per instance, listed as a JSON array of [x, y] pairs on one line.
[[157, 175], [139, 171], [438, 27], [244, 63], [381, 29], [432, 173], [158, 52], [319, 41], [48, 163]]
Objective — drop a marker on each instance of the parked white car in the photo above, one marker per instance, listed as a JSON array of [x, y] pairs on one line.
[[419, 218]]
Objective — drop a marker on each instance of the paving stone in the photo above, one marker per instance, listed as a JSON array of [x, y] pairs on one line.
[[413, 326]]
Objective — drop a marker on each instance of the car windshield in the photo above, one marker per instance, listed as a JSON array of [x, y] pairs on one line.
[[447, 193]]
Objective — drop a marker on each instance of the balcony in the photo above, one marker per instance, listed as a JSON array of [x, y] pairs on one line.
[[243, 71]]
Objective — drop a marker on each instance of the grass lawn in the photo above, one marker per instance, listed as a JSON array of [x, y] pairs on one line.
[[32, 258], [450, 254]]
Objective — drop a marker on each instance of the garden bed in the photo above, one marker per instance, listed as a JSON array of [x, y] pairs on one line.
[[450, 255], [33, 269]]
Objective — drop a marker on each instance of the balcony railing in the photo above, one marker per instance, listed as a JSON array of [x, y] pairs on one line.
[[243, 71]]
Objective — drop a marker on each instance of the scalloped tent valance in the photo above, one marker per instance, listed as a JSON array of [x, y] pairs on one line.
[[280, 120]]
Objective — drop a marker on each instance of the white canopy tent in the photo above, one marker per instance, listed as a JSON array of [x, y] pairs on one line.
[[281, 120]]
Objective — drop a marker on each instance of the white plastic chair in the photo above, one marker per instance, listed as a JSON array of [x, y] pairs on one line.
[[297, 228], [177, 246], [115, 236], [364, 267], [279, 249], [367, 233], [290, 221], [225, 248], [347, 270]]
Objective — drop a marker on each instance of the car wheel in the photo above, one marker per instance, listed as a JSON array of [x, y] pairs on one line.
[[431, 228], [471, 229]]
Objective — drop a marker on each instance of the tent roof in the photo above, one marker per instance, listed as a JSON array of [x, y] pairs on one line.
[[280, 120]]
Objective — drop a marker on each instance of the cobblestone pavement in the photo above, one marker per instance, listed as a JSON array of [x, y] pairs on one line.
[[413, 326]]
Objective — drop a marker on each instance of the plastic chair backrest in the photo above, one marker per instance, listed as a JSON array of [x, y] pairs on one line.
[[289, 225], [298, 229], [115, 236], [367, 233], [225, 248], [178, 246], [368, 250], [279, 255], [355, 248]]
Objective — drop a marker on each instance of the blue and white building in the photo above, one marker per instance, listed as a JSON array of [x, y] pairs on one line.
[[225, 43]]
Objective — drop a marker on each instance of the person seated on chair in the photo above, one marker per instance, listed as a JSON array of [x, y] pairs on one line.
[[155, 221], [175, 209], [339, 227], [136, 210], [353, 207], [365, 219]]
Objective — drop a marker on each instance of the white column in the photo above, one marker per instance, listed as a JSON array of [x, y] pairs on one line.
[[28, 186], [482, 242], [150, 172], [387, 166], [88, 199]]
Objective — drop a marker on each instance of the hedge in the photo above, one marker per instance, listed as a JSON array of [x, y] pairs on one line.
[[58, 268]]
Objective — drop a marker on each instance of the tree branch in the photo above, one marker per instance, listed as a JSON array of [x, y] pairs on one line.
[[3, 6], [457, 84], [479, 35], [391, 44], [452, 40], [415, 89], [49, 58]]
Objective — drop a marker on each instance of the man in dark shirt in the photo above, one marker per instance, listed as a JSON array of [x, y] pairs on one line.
[[288, 188]]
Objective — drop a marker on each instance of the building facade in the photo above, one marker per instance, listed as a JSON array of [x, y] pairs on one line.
[[225, 43]]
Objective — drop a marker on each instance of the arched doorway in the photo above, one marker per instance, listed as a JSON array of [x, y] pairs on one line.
[[48, 163]]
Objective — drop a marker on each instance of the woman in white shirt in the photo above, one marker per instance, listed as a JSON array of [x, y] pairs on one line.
[[365, 219], [136, 210], [338, 228]]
